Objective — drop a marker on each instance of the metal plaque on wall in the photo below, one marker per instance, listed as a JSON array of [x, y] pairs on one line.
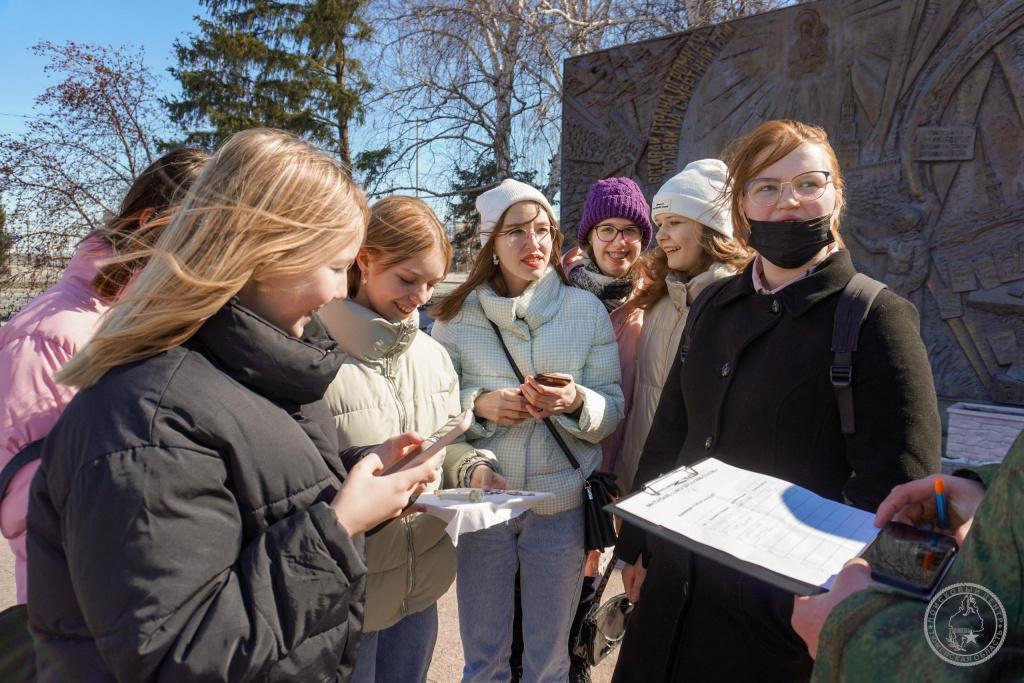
[[923, 101]]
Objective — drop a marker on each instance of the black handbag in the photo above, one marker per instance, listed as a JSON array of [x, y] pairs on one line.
[[604, 625], [599, 489]]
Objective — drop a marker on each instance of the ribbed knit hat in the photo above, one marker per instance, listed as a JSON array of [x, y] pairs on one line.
[[494, 202], [696, 192], [615, 198]]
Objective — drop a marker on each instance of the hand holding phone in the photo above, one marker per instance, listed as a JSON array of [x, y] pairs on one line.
[[552, 380], [444, 437], [914, 503], [908, 558], [550, 394], [366, 502]]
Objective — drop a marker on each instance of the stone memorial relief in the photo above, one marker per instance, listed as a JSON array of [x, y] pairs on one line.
[[923, 101]]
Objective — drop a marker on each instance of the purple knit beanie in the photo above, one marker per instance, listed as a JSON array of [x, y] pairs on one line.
[[615, 198]]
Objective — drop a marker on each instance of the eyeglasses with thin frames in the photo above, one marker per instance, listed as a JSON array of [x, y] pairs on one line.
[[609, 233], [517, 236], [806, 187]]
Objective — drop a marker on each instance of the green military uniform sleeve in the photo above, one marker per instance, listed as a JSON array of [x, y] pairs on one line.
[[879, 635], [983, 474]]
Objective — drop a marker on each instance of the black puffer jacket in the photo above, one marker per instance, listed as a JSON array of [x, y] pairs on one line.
[[755, 393], [179, 528]]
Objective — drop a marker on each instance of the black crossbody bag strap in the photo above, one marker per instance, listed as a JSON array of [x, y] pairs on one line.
[[547, 422], [604, 579]]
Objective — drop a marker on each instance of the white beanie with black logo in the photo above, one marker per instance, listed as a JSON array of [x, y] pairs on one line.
[[697, 192], [493, 203]]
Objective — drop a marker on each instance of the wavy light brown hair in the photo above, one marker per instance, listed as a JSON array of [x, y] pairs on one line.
[[400, 228], [485, 271], [267, 204], [144, 212], [748, 155], [715, 248]]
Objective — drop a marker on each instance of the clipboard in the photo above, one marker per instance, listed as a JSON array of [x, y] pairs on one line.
[[686, 474]]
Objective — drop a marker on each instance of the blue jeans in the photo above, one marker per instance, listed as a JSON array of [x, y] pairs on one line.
[[400, 653], [548, 550]]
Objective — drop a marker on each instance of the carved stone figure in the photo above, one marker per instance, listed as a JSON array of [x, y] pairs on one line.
[[924, 103]]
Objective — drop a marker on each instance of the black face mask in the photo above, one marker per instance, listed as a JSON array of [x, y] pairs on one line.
[[790, 244]]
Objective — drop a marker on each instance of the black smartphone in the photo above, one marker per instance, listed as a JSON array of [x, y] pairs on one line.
[[910, 559]]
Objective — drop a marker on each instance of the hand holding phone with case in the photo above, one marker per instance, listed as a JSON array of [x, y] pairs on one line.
[[910, 559], [446, 436], [552, 380]]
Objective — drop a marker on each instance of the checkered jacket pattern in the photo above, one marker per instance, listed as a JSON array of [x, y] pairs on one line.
[[550, 327]]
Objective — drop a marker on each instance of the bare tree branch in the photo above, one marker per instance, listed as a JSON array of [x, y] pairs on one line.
[[92, 133]]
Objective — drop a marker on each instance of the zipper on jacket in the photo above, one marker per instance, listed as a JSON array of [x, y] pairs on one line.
[[388, 368], [411, 574], [410, 578]]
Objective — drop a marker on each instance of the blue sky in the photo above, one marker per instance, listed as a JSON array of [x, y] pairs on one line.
[[23, 23], [151, 25]]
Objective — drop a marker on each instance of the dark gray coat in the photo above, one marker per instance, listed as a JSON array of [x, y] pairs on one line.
[[179, 527], [755, 393]]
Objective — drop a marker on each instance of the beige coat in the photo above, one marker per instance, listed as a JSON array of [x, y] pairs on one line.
[[659, 341], [396, 379]]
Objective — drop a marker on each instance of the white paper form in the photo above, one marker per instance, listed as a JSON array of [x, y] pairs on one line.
[[757, 518]]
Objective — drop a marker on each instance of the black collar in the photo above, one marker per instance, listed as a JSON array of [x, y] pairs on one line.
[[829, 277], [266, 359]]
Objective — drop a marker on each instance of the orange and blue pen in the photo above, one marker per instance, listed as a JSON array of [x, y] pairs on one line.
[[940, 504]]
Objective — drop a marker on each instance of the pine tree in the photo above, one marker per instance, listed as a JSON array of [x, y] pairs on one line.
[[469, 184], [286, 65]]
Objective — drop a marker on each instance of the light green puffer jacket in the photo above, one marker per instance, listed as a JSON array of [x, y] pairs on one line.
[[396, 379]]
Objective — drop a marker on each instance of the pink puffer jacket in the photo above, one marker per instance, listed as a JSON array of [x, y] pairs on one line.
[[627, 322], [34, 345]]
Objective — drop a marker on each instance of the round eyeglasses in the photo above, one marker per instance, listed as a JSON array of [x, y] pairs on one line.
[[609, 233], [806, 187], [517, 237]]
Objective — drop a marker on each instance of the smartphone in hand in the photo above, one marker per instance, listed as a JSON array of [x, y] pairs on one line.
[[910, 559], [444, 437], [552, 380]]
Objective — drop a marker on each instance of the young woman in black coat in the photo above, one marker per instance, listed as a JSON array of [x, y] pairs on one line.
[[755, 392], [193, 518]]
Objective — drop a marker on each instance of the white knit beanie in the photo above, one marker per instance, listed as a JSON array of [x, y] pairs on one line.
[[696, 192], [492, 204]]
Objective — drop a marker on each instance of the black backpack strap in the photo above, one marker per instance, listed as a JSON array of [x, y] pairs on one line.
[[854, 303], [31, 452], [696, 308]]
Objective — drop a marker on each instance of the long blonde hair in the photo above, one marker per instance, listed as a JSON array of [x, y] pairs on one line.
[[486, 270], [267, 204], [401, 227]]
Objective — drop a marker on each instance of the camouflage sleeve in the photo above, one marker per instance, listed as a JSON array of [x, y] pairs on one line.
[[880, 635], [983, 474], [875, 636]]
